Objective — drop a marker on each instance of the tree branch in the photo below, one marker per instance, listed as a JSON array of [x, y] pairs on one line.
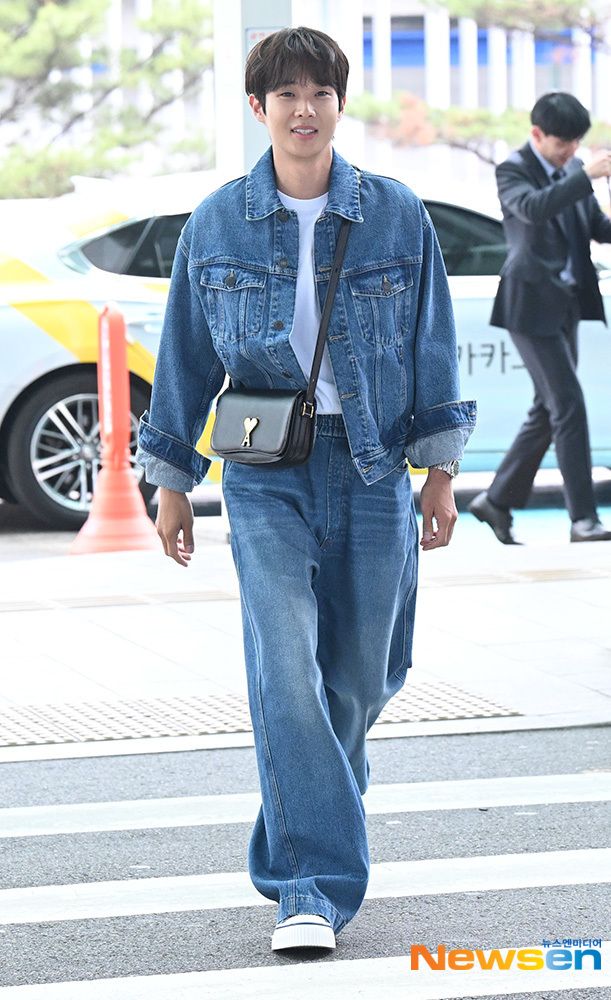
[[26, 91], [470, 148], [190, 82], [99, 100]]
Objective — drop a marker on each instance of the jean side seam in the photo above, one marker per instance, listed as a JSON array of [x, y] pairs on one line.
[[273, 780], [328, 495], [414, 586]]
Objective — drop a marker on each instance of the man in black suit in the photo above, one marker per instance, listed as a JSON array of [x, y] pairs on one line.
[[548, 283]]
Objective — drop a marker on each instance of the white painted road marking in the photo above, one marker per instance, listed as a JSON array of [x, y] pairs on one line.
[[205, 810], [130, 897], [365, 978]]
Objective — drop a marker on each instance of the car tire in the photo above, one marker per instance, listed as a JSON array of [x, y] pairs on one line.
[[57, 419]]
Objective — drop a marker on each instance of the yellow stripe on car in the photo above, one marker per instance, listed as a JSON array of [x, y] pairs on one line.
[[95, 223], [14, 271], [74, 325]]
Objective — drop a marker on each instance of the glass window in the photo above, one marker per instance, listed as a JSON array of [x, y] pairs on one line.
[[470, 243], [114, 250], [154, 254], [144, 248]]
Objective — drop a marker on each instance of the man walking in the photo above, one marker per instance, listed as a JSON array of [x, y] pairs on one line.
[[326, 551], [548, 283]]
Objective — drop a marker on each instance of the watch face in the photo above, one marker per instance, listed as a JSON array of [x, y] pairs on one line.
[[455, 468]]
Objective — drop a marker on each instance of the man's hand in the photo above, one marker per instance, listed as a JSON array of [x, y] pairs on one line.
[[599, 165], [438, 510], [175, 525]]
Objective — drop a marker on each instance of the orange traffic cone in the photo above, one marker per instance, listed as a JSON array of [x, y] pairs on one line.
[[117, 520]]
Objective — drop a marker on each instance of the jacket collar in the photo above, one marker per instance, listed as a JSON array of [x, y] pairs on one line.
[[262, 196], [535, 166]]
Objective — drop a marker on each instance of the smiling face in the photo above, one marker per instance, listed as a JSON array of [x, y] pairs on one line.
[[301, 119], [555, 150]]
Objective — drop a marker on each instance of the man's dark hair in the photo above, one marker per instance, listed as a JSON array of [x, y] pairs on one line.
[[561, 114], [295, 55]]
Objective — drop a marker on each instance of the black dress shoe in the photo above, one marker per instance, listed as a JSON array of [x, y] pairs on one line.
[[589, 529], [499, 520]]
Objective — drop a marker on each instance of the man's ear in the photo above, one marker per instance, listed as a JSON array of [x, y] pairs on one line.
[[537, 133], [257, 108], [341, 108]]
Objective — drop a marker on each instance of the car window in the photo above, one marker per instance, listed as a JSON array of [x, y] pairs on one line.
[[154, 253], [114, 250], [470, 243], [144, 248]]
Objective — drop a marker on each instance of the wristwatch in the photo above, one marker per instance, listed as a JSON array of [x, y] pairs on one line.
[[452, 468]]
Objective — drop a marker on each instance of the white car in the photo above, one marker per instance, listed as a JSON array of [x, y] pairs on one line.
[[55, 280]]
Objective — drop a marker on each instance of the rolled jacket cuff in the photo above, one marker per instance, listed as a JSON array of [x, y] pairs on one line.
[[169, 451], [160, 473], [440, 433]]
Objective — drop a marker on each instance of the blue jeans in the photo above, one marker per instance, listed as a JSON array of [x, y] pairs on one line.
[[327, 569]]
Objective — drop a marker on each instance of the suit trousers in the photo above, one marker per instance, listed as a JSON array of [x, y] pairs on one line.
[[327, 569], [558, 414]]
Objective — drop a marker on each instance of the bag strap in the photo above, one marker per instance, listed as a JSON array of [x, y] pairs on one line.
[[338, 260]]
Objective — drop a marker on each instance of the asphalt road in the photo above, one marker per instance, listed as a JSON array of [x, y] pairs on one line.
[[237, 937]]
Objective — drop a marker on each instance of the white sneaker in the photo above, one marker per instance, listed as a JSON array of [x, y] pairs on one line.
[[306, 930]]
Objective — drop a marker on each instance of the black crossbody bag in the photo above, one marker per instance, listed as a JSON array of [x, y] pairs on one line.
[[276, 426]]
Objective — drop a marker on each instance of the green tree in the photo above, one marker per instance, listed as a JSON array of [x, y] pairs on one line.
[[52, 125], [408, 120], [542, 16], [39, 46]]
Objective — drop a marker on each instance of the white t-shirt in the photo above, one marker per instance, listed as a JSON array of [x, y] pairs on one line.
[[307, 310]]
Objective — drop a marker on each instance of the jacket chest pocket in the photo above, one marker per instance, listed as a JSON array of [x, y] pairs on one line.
[[381, 300], [234, 298]]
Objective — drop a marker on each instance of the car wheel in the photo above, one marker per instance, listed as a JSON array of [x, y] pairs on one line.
[[54, 449]]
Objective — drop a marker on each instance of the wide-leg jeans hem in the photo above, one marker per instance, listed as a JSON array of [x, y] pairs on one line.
[[296, 903]]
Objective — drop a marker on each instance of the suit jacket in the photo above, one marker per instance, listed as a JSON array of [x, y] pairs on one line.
[[531, 298]]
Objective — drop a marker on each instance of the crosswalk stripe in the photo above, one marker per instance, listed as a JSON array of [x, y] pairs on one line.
[[390, 977], [220, 890], [204, 810]]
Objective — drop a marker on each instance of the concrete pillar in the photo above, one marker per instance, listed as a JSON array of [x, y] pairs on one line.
[[602, 76], [140, 43], [207, 104], [467, 63], [229, 101], [83, 78], [114, 31], [382, 54], [437, 58], [497, 70], [238, 25], [344, 20], [144, 48], [582, 67], [177, 111], [522, 69]]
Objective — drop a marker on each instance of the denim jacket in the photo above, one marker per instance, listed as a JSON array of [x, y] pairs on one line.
[[391, 336]]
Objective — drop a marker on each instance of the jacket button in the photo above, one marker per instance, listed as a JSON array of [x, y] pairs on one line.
[[283, 215], [283, 262], [230, 280], [386, 285], [278, 325]]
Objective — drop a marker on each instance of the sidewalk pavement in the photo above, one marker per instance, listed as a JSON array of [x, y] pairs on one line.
[[506, 638]]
